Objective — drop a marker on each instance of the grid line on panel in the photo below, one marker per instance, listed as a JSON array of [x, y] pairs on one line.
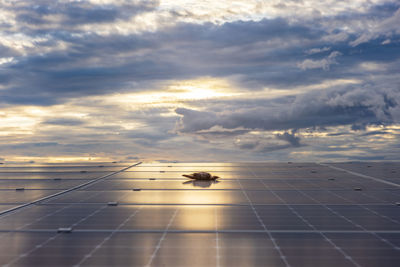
[[33, 189], [90, 254], [325, 219], [23, 255], [217, 248], [360, 175], [346, 256], [361, 205], [51, 213], [276, 247], [204, 189], [21, 228], [66, 191], [351, 221], [153, 255], [208, 231], [56, 235], [19, 209], [199, 204]]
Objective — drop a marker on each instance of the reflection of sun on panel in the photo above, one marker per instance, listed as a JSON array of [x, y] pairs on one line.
[[209, 197], [195, 218], [58, 159], [184, 197]]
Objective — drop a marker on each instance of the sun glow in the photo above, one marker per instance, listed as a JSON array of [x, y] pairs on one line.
[[180, 91]]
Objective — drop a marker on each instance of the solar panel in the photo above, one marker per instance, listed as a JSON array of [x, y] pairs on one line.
[[256, 214]]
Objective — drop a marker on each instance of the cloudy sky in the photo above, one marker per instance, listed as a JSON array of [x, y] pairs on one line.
[[191, 80]]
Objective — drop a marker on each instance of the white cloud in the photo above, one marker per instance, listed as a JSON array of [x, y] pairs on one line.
[[317, 50], [4, 60], [320, 64], [386, 27]]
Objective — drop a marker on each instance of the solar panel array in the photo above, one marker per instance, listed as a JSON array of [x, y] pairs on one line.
[[256, 214]]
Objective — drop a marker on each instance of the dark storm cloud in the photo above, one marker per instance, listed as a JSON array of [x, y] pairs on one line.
[[271, 148], [370, 158], [248, 145], [45, 83], [383, 10], [70, 58], [338, 134], [240, 33], [7, 51], [261, 145], [132, 158], [291, 138], [350, 106], [248, 50], [76, 13], [29, 145], [64, 122], [221, 133], [375, 133], [183, 51], [149, 135]]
